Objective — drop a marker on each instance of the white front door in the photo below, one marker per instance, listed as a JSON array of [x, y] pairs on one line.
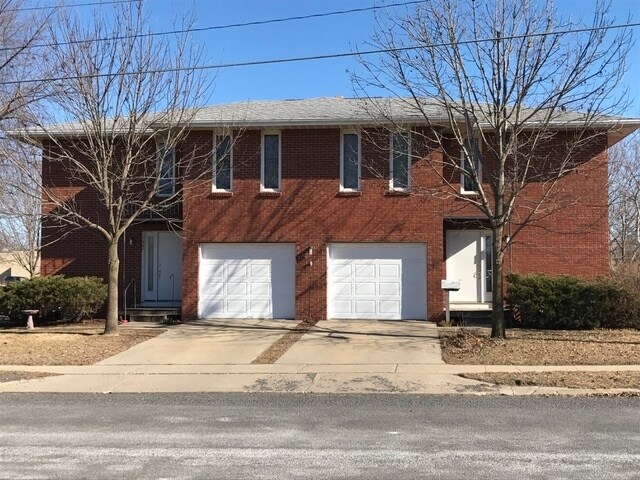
[[377, 281], [161, 269], [469, 262]]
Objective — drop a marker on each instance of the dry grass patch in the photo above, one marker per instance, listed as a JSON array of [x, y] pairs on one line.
[[76, 344], [561, 379], [473, 346], [11, 376]]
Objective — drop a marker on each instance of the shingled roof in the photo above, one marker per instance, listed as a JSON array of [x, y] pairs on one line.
[[317, 111], [339, 111], [357, 111]]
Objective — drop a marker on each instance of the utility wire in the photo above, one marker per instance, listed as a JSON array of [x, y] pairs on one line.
[[318, 57], [218, 27], [56, 7]]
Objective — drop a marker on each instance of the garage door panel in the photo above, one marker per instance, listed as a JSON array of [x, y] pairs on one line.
[[390, 308], [377, 281], [236, 288], [364, 271], [215, 271], [260, 271], [260, 308], [386, 289], [342, 288], [340, 270], [363, 288], [247, 281], [260, 288], [212, 308], [366, 307], [342, 307], [215, 289], [389, 271]]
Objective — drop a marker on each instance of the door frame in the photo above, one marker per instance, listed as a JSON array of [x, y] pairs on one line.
[[484, 294], [151, 296]]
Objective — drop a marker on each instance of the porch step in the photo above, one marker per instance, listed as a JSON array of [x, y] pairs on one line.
[[480, 318], [152, 314]]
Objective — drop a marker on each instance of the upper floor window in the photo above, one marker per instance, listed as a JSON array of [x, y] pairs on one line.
[[222, 162], [470, 168], [350, 161], [166, 170], [400, 162], [270, 168]]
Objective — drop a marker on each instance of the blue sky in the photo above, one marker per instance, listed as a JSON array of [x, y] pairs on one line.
[[307, 37]]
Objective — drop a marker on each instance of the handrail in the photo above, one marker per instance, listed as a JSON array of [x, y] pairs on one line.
[[125, 296]]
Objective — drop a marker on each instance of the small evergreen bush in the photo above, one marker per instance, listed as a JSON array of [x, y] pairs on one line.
[[570, 303], [56, 297]]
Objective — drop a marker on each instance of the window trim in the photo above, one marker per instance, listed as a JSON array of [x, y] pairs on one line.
[[214, 186], [279, 134], [160, 152], [391, 177], [462, 169], [357, 134]]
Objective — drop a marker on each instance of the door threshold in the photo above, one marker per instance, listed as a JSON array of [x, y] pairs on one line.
[[470, 307]]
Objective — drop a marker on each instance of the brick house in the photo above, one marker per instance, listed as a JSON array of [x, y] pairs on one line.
[[309, 215]]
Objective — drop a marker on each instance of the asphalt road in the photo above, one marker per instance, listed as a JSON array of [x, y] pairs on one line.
[[260, 436]]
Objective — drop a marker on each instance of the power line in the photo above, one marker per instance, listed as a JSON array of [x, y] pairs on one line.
[[219, 27], [318, 57], [56, 7]]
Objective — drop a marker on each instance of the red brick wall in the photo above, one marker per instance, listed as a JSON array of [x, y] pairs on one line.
[[310, 211]]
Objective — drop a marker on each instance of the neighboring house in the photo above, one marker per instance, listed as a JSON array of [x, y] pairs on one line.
[[10, 267], [304, 218]]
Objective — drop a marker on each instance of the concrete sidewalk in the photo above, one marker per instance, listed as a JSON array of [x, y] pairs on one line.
[[333, 357]]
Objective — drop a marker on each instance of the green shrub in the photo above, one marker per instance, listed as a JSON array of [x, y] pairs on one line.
[[56, 297], [563, 302]]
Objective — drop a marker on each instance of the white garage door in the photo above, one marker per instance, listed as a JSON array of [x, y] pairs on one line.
[[377, 281], [247, 280]]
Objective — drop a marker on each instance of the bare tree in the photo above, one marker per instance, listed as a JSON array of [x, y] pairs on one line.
[[501, 81], [127, 105], [23, 34], [20, 205], [624, 202]]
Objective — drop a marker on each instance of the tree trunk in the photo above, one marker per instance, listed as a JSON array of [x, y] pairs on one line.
[[497, 285], [111, 325]]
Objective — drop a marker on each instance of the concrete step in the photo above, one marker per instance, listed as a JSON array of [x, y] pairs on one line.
[[149, 314], [480, 318]]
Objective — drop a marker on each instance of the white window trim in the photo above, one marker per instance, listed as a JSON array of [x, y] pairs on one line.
[[462, 168], [160, 145], [342, 134], [214, 187], [391, 186], [262, 187]]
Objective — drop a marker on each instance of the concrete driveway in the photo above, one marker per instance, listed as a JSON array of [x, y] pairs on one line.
[[366, 342], [330, 342], [218, 355], [206, 342]]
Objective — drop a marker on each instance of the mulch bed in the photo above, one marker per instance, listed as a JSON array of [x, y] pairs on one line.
[[68, 344], [473, 346], [561, 379], [284, 343]]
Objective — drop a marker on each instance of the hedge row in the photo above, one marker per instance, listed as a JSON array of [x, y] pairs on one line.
[[570, 303], [56, 297]]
